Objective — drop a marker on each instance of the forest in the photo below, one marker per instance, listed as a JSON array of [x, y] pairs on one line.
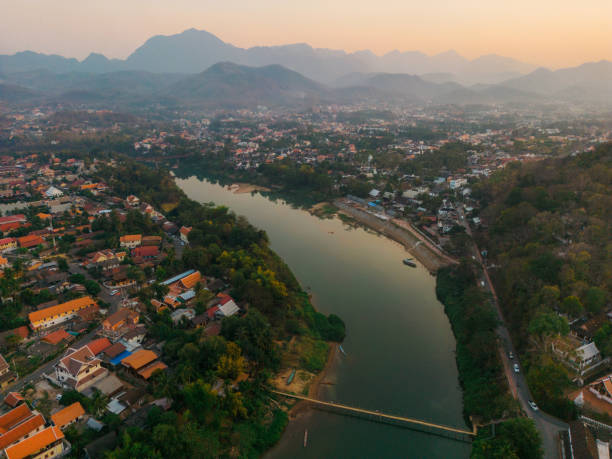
[[548, 233]]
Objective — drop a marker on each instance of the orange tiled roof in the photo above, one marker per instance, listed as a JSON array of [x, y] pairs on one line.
[[35, 443], [191, 280], [13, 399], [68, 414], [63, 308], [57, 336], [130, 238], [148, 371], [139, 359], [98, 345], [13, 417], [21, 430]]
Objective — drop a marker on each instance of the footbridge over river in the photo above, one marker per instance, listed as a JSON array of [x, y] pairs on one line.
[[401, 421]]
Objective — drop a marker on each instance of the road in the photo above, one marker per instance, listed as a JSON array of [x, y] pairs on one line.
[[548, 426]]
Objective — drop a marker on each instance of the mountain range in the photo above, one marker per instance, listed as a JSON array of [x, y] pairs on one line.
[[196, 69], [193, 51]]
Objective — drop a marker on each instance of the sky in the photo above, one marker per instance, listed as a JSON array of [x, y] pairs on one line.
[[552, 33]]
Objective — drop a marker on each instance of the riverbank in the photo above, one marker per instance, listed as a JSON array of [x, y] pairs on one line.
[[426, 253], [240, 188]]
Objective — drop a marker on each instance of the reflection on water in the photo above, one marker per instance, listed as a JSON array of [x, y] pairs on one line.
[[400, 348]]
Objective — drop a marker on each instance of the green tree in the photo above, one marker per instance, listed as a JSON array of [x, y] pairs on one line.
[[571, 305], [595, 299]]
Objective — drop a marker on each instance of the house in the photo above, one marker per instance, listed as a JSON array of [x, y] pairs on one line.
[[53, 193], [57, 314], [134, 338], [587, 355], [188, 282], [151, 240], [13, 399], [97, 346], [227, 306], [4, 263], [17, 218], [143, 363], [27, 427], [123, 318], [58, 336], [147, 252], [581, 358], [8, 243], [181, 314], [6, 375], [48, 443], [30, 241], [114, 350], [184, 232], [79, 369], [130, 241], [132, 201], [68, 415]]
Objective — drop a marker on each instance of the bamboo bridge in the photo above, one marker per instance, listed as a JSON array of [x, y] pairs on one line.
[[376, 416]]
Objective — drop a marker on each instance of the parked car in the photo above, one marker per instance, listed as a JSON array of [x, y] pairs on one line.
[[510, 355], [533, 405], [516, 368]]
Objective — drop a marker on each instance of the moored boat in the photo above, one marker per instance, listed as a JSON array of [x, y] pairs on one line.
[[409, 262]]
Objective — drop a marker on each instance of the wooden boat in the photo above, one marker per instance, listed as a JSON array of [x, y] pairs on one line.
[[409, 262]]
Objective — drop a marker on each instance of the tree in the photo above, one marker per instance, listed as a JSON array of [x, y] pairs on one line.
[[571, 305], [548, 324], [595, 299], [231, 364]]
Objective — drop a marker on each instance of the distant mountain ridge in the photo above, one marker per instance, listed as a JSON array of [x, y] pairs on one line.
[[193, 51]]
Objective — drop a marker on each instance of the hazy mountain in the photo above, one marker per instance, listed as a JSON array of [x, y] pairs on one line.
[[193, 51], [27, 61], [591, 81], [231, 85], [12, 93], [114, 84]]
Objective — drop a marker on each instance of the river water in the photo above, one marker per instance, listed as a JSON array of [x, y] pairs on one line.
[[399, 344]]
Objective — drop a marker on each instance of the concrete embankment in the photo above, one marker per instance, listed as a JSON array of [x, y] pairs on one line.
[[400, 231]]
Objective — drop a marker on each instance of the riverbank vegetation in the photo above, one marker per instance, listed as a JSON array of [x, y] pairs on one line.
[[235, 418], [485, 391], [549, 236]]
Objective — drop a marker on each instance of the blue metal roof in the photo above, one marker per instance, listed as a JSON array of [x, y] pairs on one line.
[[177, 278], [117, 360], [188, 295]]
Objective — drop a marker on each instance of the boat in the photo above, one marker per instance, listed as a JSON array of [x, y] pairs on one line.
[[409, 262], [291, 376], [305, 437]]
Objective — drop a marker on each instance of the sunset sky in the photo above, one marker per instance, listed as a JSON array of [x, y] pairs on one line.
[[554, 33]]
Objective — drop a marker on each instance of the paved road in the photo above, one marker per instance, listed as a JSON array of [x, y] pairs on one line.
[[548, 426]]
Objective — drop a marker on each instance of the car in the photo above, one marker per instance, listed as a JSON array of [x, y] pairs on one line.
[[516, 368], [533, 405], [58, 397], [510, 355], [114, 292]]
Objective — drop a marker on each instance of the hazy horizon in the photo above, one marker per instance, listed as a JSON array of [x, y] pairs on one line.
[[550, 33]]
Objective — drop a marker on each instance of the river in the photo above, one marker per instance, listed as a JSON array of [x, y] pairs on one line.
[[399, 344]]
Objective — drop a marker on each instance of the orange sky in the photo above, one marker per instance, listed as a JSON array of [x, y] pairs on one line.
[[554, 33]]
